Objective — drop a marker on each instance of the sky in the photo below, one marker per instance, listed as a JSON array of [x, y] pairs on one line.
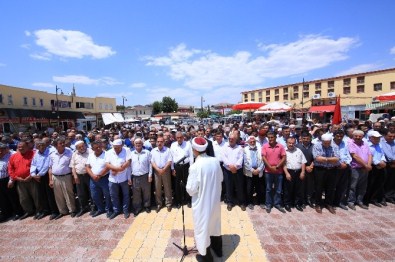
[[140, 51]]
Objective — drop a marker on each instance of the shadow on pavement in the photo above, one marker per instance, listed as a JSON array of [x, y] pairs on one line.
[[229, 245]]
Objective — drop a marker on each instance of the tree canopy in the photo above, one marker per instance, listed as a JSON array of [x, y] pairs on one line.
[[167, 105]]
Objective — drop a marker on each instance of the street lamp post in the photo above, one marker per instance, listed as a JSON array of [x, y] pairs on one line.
[[123, 106], [57, 103]]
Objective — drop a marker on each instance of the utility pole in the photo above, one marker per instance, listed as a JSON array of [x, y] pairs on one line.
[[123, 106], [57, 103], [201, 103]]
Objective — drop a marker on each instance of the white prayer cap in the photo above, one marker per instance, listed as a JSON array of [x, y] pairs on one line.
[[374, 133], [199, 144], [117, 142], [326, 137], [78, 143], [249, 138], [292, 126]]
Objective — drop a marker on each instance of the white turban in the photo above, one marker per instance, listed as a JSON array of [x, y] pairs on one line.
[[326, 137], [117, 142], [199, 144]]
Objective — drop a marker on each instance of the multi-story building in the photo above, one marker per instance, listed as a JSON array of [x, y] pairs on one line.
[[138, 112], [27, 109], [357, 92]]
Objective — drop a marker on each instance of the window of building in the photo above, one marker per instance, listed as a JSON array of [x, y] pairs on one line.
[[245, 97], [10, 101], [317, 86], [267, 99], [331, 84], [260, 94], [360, 80], [260, 100], [331, 90], [41, 102], [296, 89], [285, 90], [378, 87], [100, 106], [105, 106], [318, 93], [252, 97], [392, 85], [361, 89], [306, 87], [276, 98], [268, 93], [111, 107], [306, 94], [25, 101], [276, 92], [1, 98], [285, 97], [347, 81], [296, 96], [33, 101], [346, 90]]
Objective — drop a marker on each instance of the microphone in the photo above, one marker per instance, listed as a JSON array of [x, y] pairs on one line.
[[181, 160]]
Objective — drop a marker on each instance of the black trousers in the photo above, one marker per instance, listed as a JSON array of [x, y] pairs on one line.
[[309, 186], [47, 195], [343, 186], [375, 189], [235, 182], [180, 193], [389, 187], [325, 181], [83, 190], [255, 184], [9, 199], [293, 190]]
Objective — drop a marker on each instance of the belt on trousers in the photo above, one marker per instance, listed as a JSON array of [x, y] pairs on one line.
[[294, 170], [140, 175], [63, 174], [182, 164], [82, 174], [326, 168]]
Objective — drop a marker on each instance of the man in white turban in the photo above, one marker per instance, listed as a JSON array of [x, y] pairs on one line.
[[204, 186]]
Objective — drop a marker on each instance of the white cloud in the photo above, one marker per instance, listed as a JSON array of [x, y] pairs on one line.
[[359, 69], [138, 85], [392, 51], [2, 65], [41, 56], [43, 84], [118, 95], [67, 43], [27, 33], [206, 69], [85, 80]]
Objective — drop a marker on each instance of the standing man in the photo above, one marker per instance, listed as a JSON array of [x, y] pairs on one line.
[[233, 164], [204, 185], [294, 171], [9, 200], [361, 165], [118, 162], [98, 171], [141, 177], [161, 162], [326, 160], [274, 157], [388, 146], [19, 171], [60, 178], [219, 145], [39, 172], [182, 156], [253, 170], [210, 149], [81, 177]]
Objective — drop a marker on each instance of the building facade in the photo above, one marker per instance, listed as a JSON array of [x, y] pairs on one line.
[[138, 112], [357, 92], [26, 109]]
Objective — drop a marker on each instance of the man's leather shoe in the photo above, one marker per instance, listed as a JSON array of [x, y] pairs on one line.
[[41, 215], [109, 214], [36, 215], [351, 206], [262, 206], [178, 206], [280, 208], [383, 203], [288, 208], [158, 208], [114, 215], [299, 208], [168, 208], [16, 217], [377, 204], [229, 207], [97, 213], [310, 203], [73, 214], [318, 209], [331, 209], [207, 257], [26, 215], [390, 200], [189, 205], [243, 208], [251, 206], [148, 210], [58, 216], [126, 215], [361, 205], [268, 209], [53, 216], [82, 211], [342, 206]]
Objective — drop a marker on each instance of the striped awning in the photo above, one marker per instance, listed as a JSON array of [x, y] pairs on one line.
[[381, 105]]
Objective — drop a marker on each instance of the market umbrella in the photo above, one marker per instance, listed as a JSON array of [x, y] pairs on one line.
[[274, 107], [337, 114], [386, 97], [247, 106]]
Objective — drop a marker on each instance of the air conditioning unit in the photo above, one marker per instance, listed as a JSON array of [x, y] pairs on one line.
[[331, 94], [333, 102], [316, 96]]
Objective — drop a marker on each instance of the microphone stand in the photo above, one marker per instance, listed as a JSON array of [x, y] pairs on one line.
[[185, 250]]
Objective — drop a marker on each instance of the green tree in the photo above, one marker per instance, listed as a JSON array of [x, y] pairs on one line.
[[202, 114], [156, 107], [169, 105], [120, 108]]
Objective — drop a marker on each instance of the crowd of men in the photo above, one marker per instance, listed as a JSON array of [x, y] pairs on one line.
[[134, 169]]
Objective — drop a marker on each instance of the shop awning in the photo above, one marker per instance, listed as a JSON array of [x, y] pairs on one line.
[[108, 118], [381, 105], [37, 114], [321, 109]]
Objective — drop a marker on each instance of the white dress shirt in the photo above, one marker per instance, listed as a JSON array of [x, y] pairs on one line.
[[179, 151], [118, 160], [141, 163], [233, 156], [218, 149], [160, 157]]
